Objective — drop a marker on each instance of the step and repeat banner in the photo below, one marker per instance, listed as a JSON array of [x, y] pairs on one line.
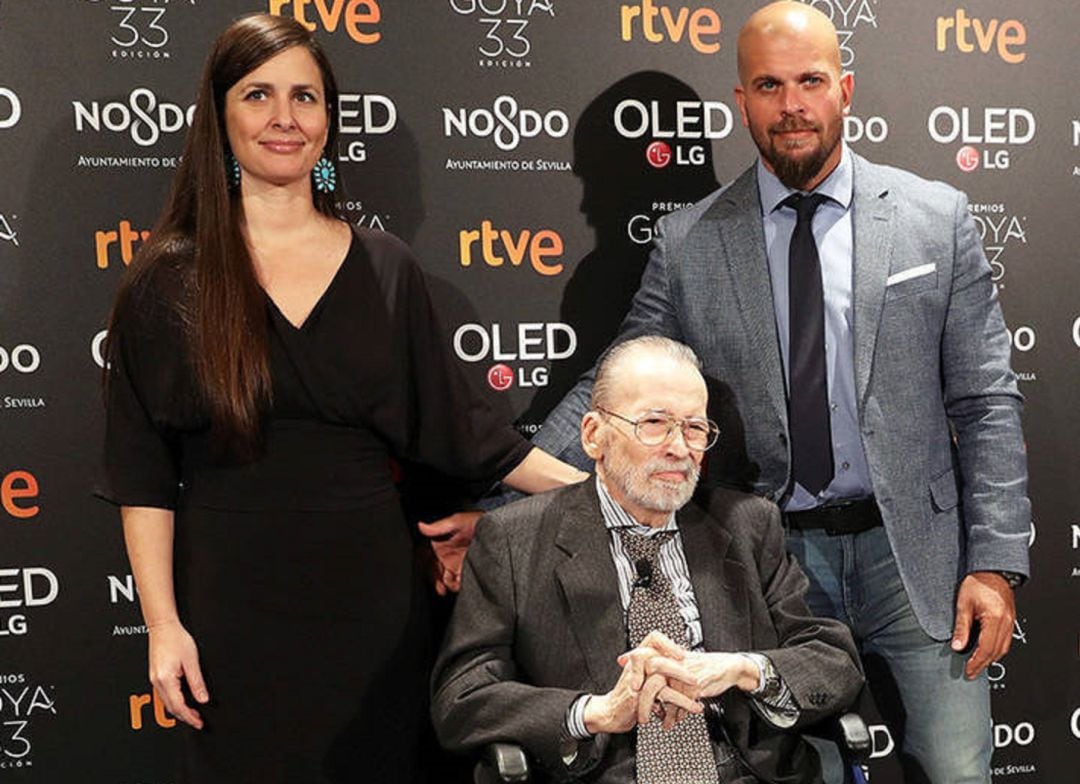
[[524, 148]]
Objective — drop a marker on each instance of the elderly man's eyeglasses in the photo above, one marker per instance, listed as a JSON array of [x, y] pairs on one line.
[[655, 428]]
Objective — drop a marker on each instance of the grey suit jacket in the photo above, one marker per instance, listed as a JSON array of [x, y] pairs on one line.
[[937, 401], [539, 622]]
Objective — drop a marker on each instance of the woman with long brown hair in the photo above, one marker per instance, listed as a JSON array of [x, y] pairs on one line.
[[265, 360]]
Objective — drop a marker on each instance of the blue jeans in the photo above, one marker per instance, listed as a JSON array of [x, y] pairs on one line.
[[940, 719]]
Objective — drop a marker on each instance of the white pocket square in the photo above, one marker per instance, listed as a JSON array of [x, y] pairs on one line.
[[908, 274]]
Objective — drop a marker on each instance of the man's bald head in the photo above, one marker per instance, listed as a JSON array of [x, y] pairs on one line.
[[787, 19]]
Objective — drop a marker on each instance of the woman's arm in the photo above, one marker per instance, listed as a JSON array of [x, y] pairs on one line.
[[148, 534], [539, 471]]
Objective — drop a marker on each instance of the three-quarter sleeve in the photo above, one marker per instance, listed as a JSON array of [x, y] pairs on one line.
[[140, 463], [447, 422]]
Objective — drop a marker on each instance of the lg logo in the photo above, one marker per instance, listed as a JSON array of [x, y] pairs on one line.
[[24, 358], [371, 115], [12, 111]]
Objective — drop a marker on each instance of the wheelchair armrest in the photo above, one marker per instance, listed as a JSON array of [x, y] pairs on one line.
[[849, 732], [502, 762]]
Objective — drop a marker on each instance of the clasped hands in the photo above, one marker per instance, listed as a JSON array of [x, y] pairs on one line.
[[660, 678]]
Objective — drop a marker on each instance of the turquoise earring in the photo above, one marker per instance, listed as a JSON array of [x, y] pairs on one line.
[[323, 176], [232, 170]]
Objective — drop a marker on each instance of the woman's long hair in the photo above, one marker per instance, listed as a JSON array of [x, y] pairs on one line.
[[224, 308]]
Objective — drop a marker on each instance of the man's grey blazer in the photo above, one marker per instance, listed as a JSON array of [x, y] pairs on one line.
[[938, 403], [539, 621]]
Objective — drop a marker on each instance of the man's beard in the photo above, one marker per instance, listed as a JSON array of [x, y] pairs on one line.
[[796, 172], [638, 486]]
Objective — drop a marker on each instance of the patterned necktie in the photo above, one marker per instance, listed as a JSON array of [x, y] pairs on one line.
[[808, 388], [683, 754]]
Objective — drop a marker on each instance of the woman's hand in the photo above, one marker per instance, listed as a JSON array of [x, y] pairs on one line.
[[174, 656], [450, 538]]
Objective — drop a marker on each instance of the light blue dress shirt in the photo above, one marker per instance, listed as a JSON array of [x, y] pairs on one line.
[[832, 229]]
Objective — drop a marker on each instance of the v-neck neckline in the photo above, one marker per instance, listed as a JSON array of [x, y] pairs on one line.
[[321, 298]]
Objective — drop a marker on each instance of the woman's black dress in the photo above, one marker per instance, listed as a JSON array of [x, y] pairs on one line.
[[294, 573]]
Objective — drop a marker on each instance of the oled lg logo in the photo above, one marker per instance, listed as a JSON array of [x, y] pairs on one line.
[[7, 233], [143, 117], [531, 342], [359, 18], [968, 33], [847, 16], [22, 702], [125, 240], [497, 246], [506, 123], [368, 115], [998, 229], [32, 586], [660, 23], [1012, 126], [10, 108], [687, 120], [506, 42]]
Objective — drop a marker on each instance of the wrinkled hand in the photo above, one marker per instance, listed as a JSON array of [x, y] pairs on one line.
[[635, 697], [987, 598], [670, 690], [174, 656], [450, 538]]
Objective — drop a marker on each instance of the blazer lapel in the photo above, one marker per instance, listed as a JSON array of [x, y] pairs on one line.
[[737, 215], [719, 584], [874, 225], [590, 584]]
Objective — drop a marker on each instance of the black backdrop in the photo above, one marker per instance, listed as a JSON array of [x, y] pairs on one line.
[[524, 148]]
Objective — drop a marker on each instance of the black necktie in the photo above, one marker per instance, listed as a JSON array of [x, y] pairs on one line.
[[808, 389]]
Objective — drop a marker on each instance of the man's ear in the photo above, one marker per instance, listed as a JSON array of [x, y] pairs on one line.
[[590, 426]]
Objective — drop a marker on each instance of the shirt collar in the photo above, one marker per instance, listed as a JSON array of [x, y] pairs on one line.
[[837, 186], [617, 517]]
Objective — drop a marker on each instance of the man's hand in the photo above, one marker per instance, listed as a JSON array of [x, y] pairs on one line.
[[696, 674], [173, 656], [987, 598], [638, 694], [450, 538]]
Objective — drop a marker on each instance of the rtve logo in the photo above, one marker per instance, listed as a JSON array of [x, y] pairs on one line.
[[700, 27], [137, 705], [17, 489], [1005, 36], [538, 246], [361, 17], [125, 238]]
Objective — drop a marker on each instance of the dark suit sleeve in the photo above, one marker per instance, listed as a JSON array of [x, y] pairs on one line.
[[815, 656], [984, 405], [478, 698]]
